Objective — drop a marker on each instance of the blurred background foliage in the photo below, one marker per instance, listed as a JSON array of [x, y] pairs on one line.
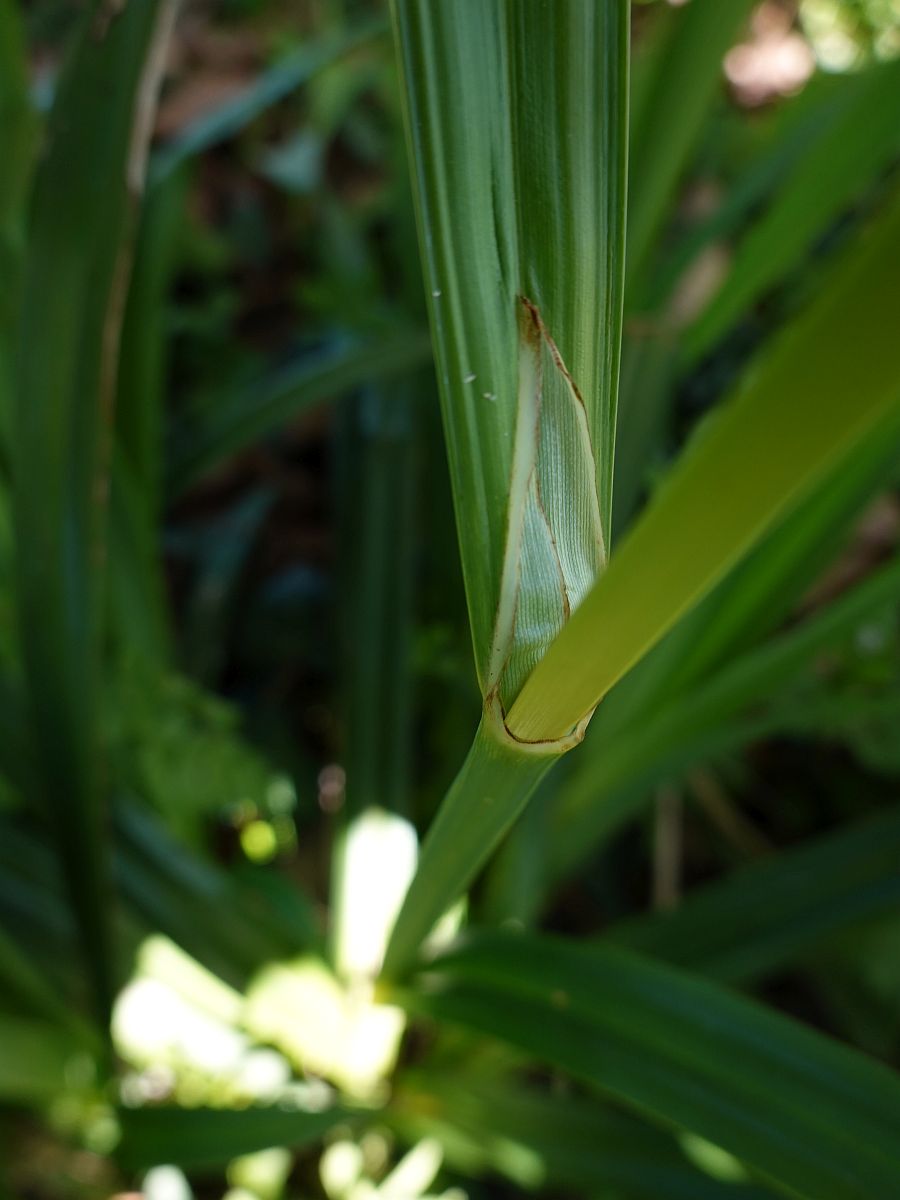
[[287, 642]]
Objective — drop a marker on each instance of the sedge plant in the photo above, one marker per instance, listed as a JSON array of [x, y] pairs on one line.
[[618, 645], [531, 445]]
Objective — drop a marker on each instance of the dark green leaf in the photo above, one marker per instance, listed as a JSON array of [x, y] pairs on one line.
[[76, 273], [811, 1115], [209, 1138], [272, 86], [538, 1140], [205, 439], [675, 82], [773, 912]]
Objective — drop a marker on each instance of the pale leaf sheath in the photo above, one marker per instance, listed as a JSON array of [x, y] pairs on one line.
[[555, 548]]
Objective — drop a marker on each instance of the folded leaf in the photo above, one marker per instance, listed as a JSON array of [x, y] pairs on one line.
[[516, 128]]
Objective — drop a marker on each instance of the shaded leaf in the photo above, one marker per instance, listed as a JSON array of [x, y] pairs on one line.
[[209, 1138], [811, 1115]]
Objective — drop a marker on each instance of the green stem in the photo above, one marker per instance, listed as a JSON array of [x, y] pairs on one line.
[[491, 790]]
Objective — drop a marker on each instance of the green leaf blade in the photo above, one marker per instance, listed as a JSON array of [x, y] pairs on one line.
[[686, 1052], [825, 385], [774, 911], [74, 287], [615, 775], [209, 1138], [538, 1140], [860, 139], [516, 126], [674, 89], [201, 441]]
